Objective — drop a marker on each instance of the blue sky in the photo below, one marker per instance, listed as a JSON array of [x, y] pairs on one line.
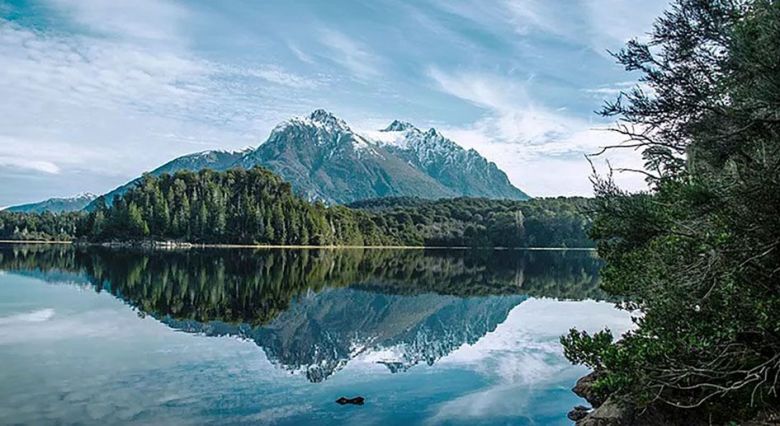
[[94, 92]]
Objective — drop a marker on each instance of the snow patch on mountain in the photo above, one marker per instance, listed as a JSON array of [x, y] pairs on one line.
[[319, 119], [384, 137]]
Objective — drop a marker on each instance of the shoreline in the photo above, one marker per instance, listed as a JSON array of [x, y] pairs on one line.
[[185, 245]]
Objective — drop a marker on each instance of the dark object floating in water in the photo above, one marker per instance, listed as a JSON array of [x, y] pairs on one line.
[[358, 400]]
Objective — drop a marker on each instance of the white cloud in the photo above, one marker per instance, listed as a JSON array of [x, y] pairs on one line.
[[143, 20], [614, 22], [276, 75], [113, 107], [611, 91], [489, 91], [599, 24], [542, 150], [529, 15], [27, 164], [300, 54], [350, 53], [85, 71]]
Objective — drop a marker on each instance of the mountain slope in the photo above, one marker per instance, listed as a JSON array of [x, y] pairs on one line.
[[463, 171], [55, 205], [324, 159]]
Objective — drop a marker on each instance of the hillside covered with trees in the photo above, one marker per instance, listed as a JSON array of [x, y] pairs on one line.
[[236, 206], [257, 207]]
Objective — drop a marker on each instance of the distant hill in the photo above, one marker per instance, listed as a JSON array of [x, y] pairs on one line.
[[55, 205], [325, 160]]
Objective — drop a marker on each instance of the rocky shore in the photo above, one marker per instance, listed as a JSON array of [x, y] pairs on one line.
[[611, 411]]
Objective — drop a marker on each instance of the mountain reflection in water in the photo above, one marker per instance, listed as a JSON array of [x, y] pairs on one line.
[[312, 311]]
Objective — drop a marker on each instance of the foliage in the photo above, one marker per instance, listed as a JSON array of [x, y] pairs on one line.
[[236, 206], [256, 207], [479, 222], [699, 254], [38, 226], [582, 348]]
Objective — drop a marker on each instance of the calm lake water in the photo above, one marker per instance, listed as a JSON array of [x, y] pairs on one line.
[[218, 336]]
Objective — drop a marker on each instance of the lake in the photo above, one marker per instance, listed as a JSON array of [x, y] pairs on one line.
[[241, 336]]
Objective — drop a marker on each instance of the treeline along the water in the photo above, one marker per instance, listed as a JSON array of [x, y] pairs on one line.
[[545, 222], [257, 207], [39, 226]]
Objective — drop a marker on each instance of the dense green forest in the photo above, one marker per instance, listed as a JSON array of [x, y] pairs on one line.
[[236, 206], [541, 222], [39, 226], [699, 254], [256, 207]]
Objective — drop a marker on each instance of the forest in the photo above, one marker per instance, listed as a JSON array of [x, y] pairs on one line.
[[257, 207], [540, 222], [39, 226]]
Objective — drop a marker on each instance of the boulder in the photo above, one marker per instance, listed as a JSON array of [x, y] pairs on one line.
[[610, 413], [584, 389], [578, 413]]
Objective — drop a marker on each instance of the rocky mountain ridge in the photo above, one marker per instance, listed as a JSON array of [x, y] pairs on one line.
[[326, 160], [55, 205]]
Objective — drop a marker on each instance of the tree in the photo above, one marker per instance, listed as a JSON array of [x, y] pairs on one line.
[[98, 223], [699, 253], [257, 206]]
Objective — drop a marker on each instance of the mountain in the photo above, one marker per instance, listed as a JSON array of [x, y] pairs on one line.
[[463, 171], [321, 333], [55, 205], [324, 159]]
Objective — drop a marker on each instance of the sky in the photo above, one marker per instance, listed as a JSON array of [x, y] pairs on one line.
[[95, 92]]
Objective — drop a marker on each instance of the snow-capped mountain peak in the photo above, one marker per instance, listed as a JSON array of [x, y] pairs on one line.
[[83, 196], [325, 118], [405, 136], [324, 159], [320, 120], [398, 126]]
